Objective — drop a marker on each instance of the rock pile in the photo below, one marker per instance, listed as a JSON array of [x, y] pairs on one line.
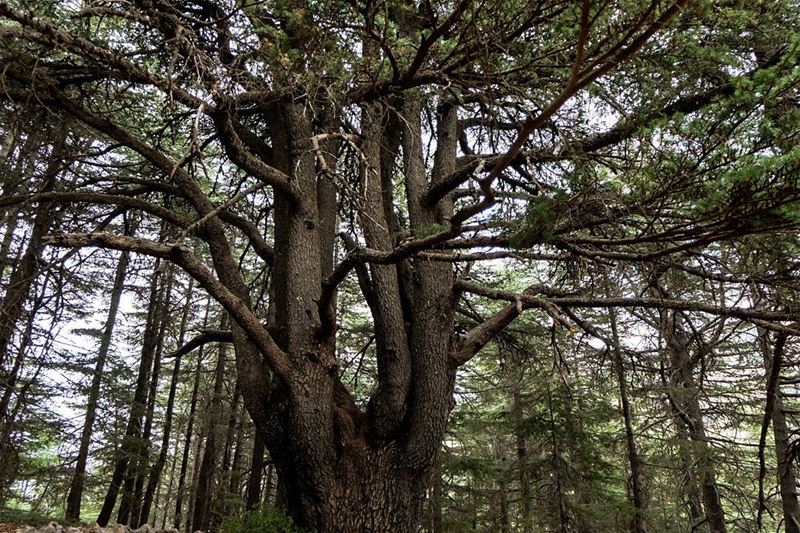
[[53, 527]]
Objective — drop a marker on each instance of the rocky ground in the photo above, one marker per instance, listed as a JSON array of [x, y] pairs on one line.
[[53, 527]]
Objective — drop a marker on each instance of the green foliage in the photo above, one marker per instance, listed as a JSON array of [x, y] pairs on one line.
[[265, 520], [22, 516], [539, 224]]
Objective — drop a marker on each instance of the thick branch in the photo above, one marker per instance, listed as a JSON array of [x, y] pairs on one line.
[[647, 303], [183, 257], [204, 337]]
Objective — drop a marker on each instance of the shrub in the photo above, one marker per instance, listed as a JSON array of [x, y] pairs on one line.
[[264, 520]]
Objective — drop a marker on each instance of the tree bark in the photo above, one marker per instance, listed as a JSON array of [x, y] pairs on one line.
[[21, 281], [685, 399], [526, 513], [787, 479], [140, 467], [73, 511]]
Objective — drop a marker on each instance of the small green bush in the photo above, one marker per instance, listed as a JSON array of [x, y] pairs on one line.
[[265, 520]]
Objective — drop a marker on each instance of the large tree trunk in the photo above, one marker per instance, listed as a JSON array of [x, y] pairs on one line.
[[73, 511], [343, 470]]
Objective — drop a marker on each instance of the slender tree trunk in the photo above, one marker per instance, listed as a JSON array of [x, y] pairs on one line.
[[634, 462], [9, 411], [219, 500], [234, 486], [140, 470], [158, 465], [133, 430], [11, 221], [502, 492], [73, 511], [685, 397], [268, 500], [189, 428], [526, 514], [200, 515], [256, 472], [167, 508], [12, 305], [787, 480], [24, 275]]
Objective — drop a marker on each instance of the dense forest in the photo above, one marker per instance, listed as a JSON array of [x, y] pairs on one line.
[[393, 266]]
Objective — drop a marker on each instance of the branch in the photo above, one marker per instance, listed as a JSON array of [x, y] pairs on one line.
[[623, 130], [101, 199], [531, 301], [183, 257], [241, 156], [480, 335], [204, 337], [54, 36]]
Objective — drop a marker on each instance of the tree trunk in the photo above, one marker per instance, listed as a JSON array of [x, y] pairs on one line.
[[685, 398], [256, 472], [12, 305], [235, 485], [526, 515], [73, 511], [167, 507], [787, 480], [268, 486], [200, 514], [225, 472], [137, 470], [158, 465], [436, 497], [24, 275], [189, 428], [634, 462], [133, 430]]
